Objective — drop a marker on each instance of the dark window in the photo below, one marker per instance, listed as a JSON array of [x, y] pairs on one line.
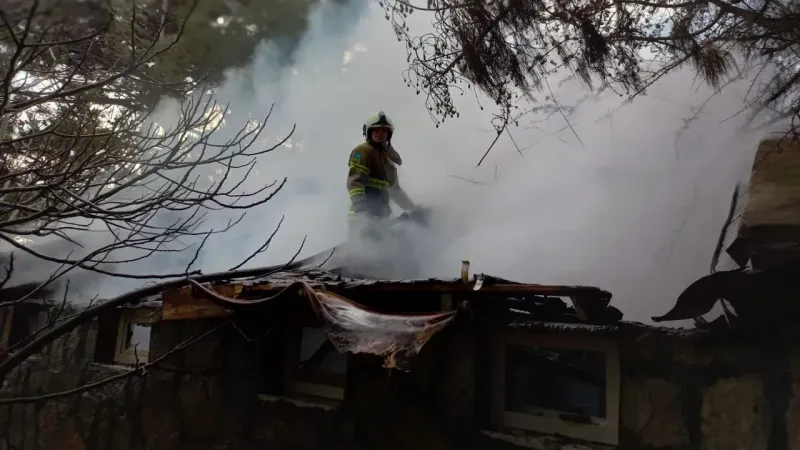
[[138, 337], [319, 361], [567, 381], [24, 322]]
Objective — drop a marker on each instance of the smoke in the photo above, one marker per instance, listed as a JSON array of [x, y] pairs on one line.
[[613, 196]]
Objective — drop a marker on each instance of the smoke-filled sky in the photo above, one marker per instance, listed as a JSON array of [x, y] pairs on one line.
[[635, 210]]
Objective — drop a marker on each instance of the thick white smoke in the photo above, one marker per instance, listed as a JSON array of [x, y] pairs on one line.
[[636, 209]]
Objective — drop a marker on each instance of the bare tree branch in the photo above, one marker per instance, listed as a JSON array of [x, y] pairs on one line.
[[509, 48], [724, 231], [82, 152], [85, 161]]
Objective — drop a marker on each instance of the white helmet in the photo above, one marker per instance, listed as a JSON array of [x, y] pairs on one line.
[[379, 120]]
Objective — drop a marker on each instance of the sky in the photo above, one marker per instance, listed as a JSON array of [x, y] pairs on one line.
[[632, 206]]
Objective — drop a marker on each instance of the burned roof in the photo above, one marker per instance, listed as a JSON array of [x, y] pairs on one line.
[[332, 280], [391, 318], [532, 307], [588, 304]]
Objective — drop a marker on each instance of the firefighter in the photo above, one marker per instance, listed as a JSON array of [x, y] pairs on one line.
[[372, 177]]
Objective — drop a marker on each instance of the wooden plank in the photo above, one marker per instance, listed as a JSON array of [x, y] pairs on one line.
[[179, 304]]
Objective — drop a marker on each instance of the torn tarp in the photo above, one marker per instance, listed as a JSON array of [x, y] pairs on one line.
[[351, 327]]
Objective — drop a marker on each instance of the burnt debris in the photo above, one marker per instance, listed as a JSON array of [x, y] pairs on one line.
[[758, 299]]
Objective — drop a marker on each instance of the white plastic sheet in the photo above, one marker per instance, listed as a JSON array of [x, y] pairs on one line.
[[353, 328]]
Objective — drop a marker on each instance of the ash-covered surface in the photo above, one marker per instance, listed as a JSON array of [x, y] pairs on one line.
[[633, 331], [152, 301], [621, 329], [328, 279], [568, 328], [321, 277]]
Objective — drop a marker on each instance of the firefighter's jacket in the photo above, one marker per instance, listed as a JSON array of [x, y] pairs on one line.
[[372, 181]]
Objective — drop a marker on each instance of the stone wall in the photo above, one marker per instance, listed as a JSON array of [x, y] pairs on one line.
[[675, 393], [679, 393]]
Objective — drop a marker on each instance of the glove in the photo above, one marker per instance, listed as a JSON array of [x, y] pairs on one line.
[[420, 214]]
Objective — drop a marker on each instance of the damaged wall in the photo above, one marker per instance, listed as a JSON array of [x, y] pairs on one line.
[[770, 220], [204, 397], [688, 393], [676, 392]]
